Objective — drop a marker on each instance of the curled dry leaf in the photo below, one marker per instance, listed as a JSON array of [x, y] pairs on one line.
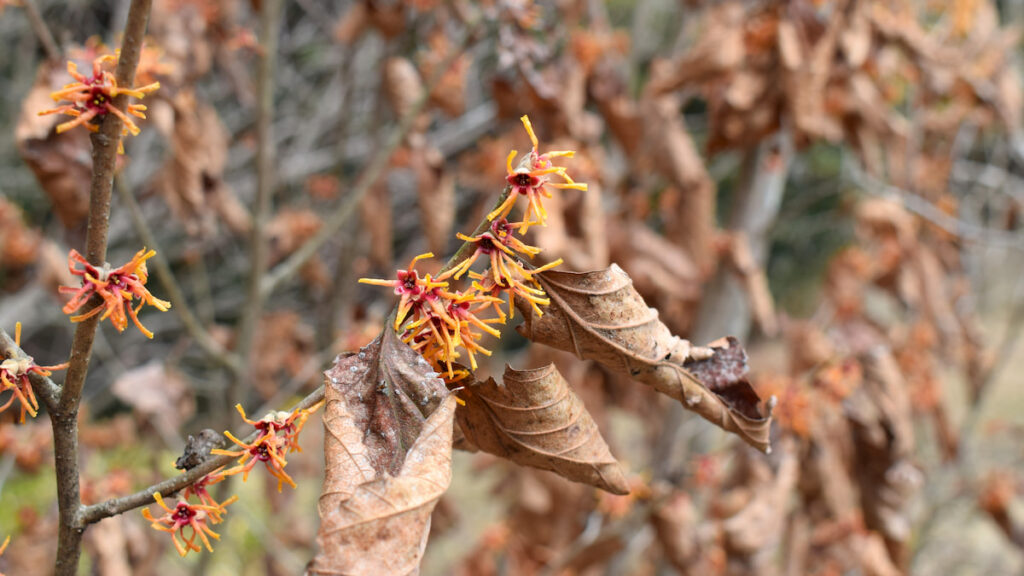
[[19, 244], [388, 443], [600, 316], [534, 419], [191, 180]]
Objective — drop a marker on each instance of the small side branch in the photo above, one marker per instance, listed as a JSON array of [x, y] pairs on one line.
[[290, 266], [115, 506], [173, 289], [41, 30], [258, 249]]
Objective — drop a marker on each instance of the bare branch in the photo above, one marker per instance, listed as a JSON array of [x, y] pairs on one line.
[[173, 289], [373, 171], [64, 419], [41, 30], [925, 209]]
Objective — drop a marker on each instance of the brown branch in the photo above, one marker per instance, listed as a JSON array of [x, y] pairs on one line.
[[467, 247], [115, 506], [290, 266], [44, 388], [64, 419], [41, 30], [171, 286]]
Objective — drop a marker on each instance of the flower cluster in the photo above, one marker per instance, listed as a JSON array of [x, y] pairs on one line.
[[118, 288], [14, 377], [195, 518], [91, 97], [532, 180], [437, 321], [277, 435]]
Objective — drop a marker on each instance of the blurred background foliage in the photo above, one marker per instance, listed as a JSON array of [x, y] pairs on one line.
[[836, 182]]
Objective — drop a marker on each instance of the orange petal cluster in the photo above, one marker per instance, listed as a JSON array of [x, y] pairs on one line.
[[91, 97], [531, 179], [14, 377], [186, 522], [277, 435], [438, 322], [118, 288]]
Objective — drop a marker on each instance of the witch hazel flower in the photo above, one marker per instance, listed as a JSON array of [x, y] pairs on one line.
[[90, 98], [414, 291], [199, 489], [441, 323], [500, 246], [438, 341], [186, 522], [532, 178], [14, 377], [276, 435], [516, 287], [118, 288]]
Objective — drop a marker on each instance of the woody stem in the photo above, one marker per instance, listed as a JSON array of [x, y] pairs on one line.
[[64, 418]]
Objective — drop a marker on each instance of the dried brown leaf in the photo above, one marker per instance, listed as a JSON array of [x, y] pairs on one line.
[[435, 188], [158, 394], [376, 213], [191, 180], [533, 418], [690, 223], [600, 316], [388, 420]]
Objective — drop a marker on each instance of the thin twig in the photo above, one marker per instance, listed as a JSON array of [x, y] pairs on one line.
[[44, 388], [41, 30], [64, 419], [290, 266], [115, 506], [258, 249], [925, 209], [171, 286], [338, 299]]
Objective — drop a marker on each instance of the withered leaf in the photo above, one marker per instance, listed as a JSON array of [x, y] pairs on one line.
[[388, 419], [600, 316], [535, 419], [158, 393]]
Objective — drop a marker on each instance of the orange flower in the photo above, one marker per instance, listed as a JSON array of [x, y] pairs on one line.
[[500, 245], [531, 179], [277, 435], [91, 97], [185, 515], [14, 374], [514, 286], [116, 287], [199, 490], [415, 292], [437, 341]]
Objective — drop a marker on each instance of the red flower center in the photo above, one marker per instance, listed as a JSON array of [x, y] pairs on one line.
[[261, 453], [184, 512], [523, 180]]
